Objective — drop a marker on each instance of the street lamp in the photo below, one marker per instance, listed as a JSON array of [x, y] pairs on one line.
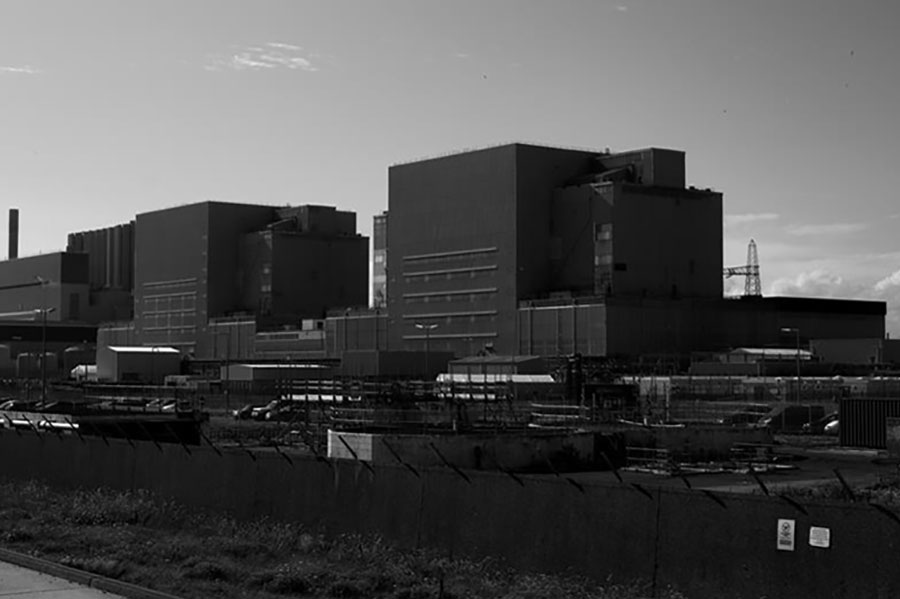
[[796, 332], [44, 310], [427, 327]]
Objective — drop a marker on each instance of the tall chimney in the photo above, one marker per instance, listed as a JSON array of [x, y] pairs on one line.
[[13, 233]]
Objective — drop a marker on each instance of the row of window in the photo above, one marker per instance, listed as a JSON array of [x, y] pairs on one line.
[[455, 318], [170, 320], [446, 297], [170, 302], [452, 274], [437, 257]]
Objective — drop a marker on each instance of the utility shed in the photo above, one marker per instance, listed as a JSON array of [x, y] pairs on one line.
[[137, 364]]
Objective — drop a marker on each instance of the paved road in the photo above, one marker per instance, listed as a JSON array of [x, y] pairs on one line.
[[22, 583]]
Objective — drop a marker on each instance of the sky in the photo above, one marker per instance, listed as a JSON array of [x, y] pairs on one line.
[[109, 108]]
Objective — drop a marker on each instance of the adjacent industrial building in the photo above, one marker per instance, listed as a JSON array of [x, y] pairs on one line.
[[273, 265], [379, 260], [110, 255]]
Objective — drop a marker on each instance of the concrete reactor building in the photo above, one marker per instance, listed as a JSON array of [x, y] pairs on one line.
[[522, 249], [269, 265]]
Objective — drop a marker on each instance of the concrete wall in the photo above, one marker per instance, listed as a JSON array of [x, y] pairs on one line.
[[470, 451], [667, 242], [562, 329], [848, 351], [169, 283], [707, 546], [539, 171], [227, 222], [439, 208], [311, 275], [66, 291], [696, 442], [757, 322]]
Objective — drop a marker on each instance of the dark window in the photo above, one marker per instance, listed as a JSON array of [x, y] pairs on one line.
[[74, 306]]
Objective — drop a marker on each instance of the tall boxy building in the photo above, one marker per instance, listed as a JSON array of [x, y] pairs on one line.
[[202, 261], [110, 254], [474, 234], [379, 260]]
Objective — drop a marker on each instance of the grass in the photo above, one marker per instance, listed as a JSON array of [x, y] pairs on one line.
[[135, 537]]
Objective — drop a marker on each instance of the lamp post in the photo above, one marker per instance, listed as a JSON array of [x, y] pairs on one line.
[[796, 332], [44, 311], [427, 327]]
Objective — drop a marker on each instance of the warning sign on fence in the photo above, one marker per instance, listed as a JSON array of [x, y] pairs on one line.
[[786, 535], [819, 537]]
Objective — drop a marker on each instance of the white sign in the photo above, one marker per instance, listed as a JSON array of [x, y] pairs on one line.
[[819, 537], [785, 535]]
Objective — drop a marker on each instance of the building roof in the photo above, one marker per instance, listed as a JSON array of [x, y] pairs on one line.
[[495, 359], [276, 366], [143, 349], [776, 353]]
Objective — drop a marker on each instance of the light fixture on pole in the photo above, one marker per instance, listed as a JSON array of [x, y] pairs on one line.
[[44, 310], [796, 332], [427, 327]]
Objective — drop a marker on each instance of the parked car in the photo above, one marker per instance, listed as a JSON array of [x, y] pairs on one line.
[[791, 418], [818, 426], [243, 413], [17, 405], [264, 412]]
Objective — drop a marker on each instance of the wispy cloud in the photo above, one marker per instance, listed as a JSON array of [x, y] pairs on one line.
[[622, 8], [741, 219], [889, 282], [826, 229], [462, 55], [268, 56], [283, 46], [22, 70]]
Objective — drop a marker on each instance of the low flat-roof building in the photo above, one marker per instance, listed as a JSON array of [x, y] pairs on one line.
[[140, 364]]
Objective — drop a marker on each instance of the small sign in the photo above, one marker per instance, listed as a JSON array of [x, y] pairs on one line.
[[819, 537], [786, 535]]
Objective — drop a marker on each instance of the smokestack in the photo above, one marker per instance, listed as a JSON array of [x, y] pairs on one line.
[[13, 233]]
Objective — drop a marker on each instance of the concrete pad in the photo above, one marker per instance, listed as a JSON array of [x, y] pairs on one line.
[[23, 583]]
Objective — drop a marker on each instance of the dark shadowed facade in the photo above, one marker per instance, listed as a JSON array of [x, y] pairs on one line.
[[57, 282], [211, 260], [472, 235], [110, 254]]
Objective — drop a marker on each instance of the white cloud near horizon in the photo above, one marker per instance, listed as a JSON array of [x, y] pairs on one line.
[[22, 70], [271, 55], [826, 229], [284, 46], [741, 219]]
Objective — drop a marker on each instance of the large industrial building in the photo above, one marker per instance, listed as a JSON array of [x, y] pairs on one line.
[[211, 260], [521, 249]]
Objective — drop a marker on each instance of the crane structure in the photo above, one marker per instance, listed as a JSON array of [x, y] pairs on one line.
[[750, 272]]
